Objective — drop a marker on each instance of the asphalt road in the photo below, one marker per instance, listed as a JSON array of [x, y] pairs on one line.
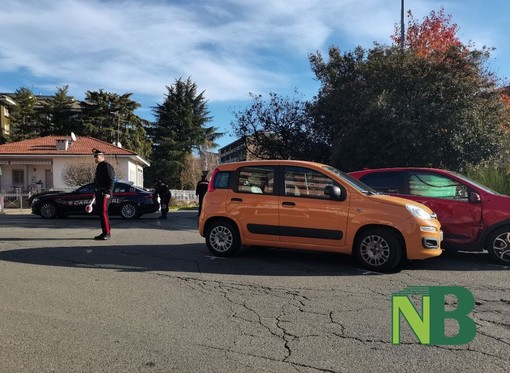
[[152, 299]]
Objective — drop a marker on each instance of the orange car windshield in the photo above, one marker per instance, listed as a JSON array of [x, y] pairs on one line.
[[357, 184]]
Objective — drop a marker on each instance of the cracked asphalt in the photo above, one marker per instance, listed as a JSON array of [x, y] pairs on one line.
[[153, 299]]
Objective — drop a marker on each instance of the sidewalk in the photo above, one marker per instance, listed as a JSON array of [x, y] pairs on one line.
[[16, 211]]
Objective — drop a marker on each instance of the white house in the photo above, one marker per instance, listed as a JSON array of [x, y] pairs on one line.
[[39, 163]]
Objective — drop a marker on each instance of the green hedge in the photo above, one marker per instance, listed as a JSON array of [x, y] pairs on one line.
[[496, 177]]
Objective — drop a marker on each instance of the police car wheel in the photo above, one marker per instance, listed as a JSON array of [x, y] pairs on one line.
[[129, 210], [48, 210]]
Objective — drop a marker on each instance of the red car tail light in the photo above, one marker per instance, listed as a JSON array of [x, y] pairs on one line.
[[211, 188]]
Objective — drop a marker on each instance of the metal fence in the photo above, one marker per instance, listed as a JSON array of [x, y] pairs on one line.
[[16, 199], [13, 199], [184, 195]]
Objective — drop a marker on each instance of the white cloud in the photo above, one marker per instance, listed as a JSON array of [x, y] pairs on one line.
[[228, 47]]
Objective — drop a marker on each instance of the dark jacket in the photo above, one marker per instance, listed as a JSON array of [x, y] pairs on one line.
[[163, 191], [202, 186], [105, 177]]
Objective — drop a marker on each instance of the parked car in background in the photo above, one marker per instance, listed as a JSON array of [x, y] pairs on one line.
[[305, 205], [473, 217], [128, 201]]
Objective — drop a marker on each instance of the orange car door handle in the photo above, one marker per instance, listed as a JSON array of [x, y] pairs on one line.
[[236, 200], [288, 204]]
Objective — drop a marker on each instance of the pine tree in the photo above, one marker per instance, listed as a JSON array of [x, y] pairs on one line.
[[180, 128], [110, 117], [24, 116], [57, 115]]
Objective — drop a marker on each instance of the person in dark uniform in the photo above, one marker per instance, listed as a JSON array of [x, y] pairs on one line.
[[105, 177], [164, 194], [202, 186]]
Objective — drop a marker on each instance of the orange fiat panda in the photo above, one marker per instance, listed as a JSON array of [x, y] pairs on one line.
[[312, 206]]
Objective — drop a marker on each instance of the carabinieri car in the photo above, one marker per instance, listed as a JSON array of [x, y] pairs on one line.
[[128, 201]]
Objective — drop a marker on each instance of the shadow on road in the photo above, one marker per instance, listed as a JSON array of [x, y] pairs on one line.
[[195, 258], [190, 258], [177, 220]]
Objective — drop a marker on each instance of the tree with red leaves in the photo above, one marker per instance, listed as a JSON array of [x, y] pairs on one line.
[[432, 103], [436, 33]]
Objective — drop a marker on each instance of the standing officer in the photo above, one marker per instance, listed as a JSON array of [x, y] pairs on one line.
[[202, 186], [164, 197], [105, 176]]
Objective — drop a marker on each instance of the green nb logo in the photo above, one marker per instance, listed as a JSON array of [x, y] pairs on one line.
[[429, 328]]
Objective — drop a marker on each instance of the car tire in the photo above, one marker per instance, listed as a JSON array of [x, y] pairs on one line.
[[222, 238], [48, 210], [498, 245], [378, 250], [129, 210]]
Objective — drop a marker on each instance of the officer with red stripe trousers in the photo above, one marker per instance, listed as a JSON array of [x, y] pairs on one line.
[[104, 180]]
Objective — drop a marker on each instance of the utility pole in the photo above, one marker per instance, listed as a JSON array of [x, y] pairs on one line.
[[117, 114], [402, 31], [118, 125]]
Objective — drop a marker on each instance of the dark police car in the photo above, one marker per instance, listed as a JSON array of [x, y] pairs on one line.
[[128, 201]]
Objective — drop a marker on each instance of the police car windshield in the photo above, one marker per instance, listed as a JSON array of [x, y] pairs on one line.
[[359, 185]]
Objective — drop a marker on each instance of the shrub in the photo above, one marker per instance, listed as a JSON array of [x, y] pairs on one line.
[[180, 204], [496, 177]]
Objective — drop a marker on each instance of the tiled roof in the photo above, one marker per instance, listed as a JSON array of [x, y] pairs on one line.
[[48, 146]]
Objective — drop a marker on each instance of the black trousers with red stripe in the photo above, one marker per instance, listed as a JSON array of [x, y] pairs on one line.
[[102, 209]]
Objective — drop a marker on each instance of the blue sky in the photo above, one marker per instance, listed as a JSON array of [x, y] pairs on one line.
[[229, 48]]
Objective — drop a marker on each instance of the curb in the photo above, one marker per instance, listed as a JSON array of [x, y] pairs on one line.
[[15, 211]]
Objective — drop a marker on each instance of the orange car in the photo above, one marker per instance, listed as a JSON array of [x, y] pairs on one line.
[[312, 206]]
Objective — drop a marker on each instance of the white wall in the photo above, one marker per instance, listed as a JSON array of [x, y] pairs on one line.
[[135, 174], [58, 167], [127, 169], [31, 173]]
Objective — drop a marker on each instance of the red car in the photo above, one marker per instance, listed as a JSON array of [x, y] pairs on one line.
[[472, 216]]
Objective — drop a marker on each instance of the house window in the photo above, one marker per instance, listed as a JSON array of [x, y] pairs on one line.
[[18, 177]]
